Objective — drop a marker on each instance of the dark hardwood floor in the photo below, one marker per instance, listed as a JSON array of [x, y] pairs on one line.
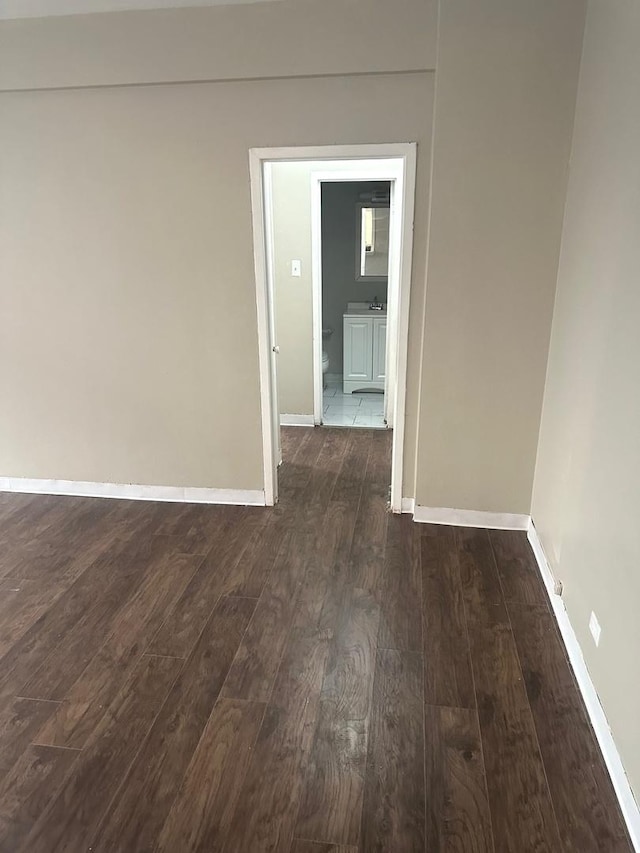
[[319, 677]]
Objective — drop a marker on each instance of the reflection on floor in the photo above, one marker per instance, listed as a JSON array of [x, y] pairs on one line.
[[356, 410]]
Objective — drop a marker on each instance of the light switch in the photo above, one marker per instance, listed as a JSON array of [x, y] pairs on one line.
[[296, 269]]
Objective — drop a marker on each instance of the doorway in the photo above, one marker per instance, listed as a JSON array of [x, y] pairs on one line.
[[354, 277], [390, 165]]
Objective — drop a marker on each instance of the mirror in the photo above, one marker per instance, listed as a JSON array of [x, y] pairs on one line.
[[372, 244]]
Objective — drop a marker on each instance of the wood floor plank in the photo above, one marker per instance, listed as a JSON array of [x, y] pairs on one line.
[[90, 697], [12, 504], [136, 815], [201, 814], [478, 571], [254, 669], [28, 789], [348, 485], [332, 803], [331, 807], [114, 531], [394, 799], [20, 719], [400, 595], [215, 577], [326, 475], [265, 817], [22, 602], [64, 550], [589, 816], [300, 559], [138, 574], [519, 574], [379, 467], [39, 553], [295, 473], [370, 533], [301, 487], [84, 528], [69, 822], [290, 438], [195, 524], [542, 654], [173, 519], [521, 809], [29, 560], [447, 666], [457, 805], [26, 527], [326, 469], [328, 582], [257, 559], [301, 846], [50, 630]]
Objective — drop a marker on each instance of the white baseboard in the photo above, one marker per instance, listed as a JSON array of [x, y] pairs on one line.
[[470, 518], [296, 420], [130, 491], [407, 505], [628, 804]]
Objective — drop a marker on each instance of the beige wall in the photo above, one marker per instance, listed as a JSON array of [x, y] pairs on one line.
[[129, 345], [586, 500], [288, 38], [505, 93], [293, 297], [126, 246]]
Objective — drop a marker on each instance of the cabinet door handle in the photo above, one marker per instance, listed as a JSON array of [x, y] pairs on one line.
[[276, 349]]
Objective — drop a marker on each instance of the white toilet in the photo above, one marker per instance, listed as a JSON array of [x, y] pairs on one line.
[[326, 334]]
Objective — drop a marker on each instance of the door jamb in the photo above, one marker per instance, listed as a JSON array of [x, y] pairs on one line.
[[267, 389]]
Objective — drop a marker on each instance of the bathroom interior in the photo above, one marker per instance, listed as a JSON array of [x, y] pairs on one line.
[[355, 260]]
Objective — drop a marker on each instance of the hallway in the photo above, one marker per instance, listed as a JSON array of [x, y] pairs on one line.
[[320, 676]]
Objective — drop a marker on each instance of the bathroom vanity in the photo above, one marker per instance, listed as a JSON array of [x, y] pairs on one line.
[[365, 348]]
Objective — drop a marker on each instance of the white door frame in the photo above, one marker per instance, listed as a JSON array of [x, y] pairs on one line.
[[400, 255]]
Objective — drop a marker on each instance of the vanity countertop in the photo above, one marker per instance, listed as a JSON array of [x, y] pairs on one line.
[[359, 309]]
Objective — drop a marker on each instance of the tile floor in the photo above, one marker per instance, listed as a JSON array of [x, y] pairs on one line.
[[354, 410]]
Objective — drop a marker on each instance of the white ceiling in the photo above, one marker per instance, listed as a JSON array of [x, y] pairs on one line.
[[47, 8]]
